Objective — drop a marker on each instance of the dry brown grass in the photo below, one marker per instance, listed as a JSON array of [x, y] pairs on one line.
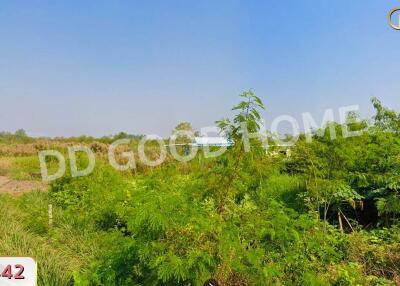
[[5, 166], [13, 163], [30, 149], [17, 187]]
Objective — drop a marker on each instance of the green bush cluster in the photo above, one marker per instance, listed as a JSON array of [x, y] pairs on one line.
[[245, 218], [326, 215]]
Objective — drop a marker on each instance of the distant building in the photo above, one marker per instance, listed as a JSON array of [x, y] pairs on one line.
[[211, 141]]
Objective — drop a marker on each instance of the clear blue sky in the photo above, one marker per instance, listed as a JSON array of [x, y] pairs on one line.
[[99, 67]]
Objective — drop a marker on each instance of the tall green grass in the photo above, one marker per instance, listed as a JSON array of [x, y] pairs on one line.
[[59, 251]]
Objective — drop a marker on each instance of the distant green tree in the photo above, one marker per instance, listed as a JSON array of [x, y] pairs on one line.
[[185, 126], [385, 118], [20, 133], [182, 138]]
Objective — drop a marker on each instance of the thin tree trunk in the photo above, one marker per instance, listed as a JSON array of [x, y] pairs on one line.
[[340, 221], [347, 221]]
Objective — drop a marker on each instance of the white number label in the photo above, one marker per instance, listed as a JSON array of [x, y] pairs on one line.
[[17, 271]]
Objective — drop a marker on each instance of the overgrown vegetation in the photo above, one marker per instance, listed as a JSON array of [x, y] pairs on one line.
[[18, 136], [326, 215]]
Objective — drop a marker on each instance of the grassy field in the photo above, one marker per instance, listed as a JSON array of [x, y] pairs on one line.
[[328, 214]]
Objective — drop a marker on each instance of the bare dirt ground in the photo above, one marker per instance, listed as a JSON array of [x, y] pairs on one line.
[[15, 187]]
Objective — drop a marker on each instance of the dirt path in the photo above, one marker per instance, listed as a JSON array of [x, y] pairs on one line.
[[15, 187]]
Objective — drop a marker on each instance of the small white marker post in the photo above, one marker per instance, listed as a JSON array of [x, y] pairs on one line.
[[50, 212]]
